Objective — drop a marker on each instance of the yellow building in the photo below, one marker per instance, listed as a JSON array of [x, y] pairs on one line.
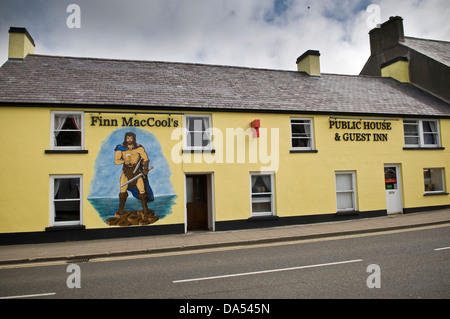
[[212, 147]]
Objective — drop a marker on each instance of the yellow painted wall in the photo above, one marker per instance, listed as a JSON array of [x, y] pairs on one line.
[[398, 70], [304, 182], [24, 174]]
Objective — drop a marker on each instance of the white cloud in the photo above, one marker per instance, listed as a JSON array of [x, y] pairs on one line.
[[250, 33]]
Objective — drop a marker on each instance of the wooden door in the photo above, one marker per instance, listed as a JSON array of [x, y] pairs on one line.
[[197, 202]]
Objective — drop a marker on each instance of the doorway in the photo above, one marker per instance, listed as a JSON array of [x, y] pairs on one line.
[[393, 188], [199, 215]]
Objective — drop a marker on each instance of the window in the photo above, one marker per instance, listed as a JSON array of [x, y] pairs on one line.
[[433, 180], [421, 133], [345, 191], [262, 194], [198, 132], [301, 134], [66, 203], [67, 131]]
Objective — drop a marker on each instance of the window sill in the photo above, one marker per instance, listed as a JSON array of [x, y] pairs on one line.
[[303, 151], [198, 151], [435, 194], [65, 227], [267, 217], [423, 148], [347, 213], [66, 151]]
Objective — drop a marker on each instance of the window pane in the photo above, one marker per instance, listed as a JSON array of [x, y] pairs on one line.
[[412, 140], [197, 124], [69, 122], [67, 188], [411, 132], [411, 129], [301, 142], [261, 207], [344, 200], [301, 129], [344, 182], [429, 132], [390, 177], [433, 179], [200, 188], [67, 211], [261, 184], [189, 189], [198, 139], [68, 138], [429, 126], [429, 139]]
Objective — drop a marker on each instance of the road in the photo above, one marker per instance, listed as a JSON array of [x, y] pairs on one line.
[[408, 264]]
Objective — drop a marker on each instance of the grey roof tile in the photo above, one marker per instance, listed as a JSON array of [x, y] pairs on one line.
[[437, 50], [125, 84]]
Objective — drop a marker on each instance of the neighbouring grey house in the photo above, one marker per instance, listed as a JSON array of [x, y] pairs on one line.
[[428, 60]]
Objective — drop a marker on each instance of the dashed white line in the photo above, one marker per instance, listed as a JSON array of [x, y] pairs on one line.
[[267, 271], [442, 248]]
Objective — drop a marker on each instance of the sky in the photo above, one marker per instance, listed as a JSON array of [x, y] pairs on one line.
[[267, 34]]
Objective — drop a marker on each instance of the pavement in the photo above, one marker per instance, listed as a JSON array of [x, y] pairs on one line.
[[79, 251]]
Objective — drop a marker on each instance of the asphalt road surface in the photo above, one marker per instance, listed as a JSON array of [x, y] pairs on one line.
[[401, 264]]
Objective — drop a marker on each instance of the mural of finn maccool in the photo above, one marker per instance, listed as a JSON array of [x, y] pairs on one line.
[[134, 178]]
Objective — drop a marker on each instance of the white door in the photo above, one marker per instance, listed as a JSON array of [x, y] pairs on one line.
[[392, 185]]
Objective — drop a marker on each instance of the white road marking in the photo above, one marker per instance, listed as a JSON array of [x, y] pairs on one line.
[[29, 296], [442, 248], [267, 271]]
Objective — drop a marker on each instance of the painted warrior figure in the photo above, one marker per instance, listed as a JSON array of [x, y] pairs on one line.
[[135, 162]]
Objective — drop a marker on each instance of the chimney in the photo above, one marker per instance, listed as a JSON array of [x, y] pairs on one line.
[[309, 62], [20, 43], [397, 68], [387, 35]]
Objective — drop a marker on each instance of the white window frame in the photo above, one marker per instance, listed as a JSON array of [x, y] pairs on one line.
[[421, 133], [311, 132], [206, 133], [271, 197], [442, 180], [352, 191], [52, 200], [53, 145]]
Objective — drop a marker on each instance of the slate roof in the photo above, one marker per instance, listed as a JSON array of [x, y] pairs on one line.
[[437, 50], [124, 84]]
